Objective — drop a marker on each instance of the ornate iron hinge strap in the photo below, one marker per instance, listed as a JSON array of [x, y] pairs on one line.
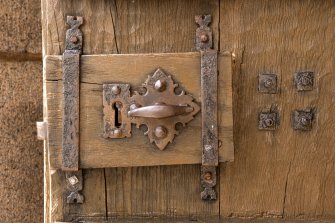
[[71, 65], [210, 156], [70, 144]]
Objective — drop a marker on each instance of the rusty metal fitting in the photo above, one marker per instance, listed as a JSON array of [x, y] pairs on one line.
[[160, 132], [268, 120], [116, 90], [74, 39], [208, 176], [117, 132], [73, 180], [267, 83], [133, 107], [302, 119], [160, 85], [204, 38], [304, 81]]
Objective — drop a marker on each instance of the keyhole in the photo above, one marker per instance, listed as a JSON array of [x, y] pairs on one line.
[[117, 106]]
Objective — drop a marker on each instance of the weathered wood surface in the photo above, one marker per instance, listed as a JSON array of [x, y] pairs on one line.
[[207, 220], [282, 173], [129, 26], [98, 152], [139, 27], [93, 192]]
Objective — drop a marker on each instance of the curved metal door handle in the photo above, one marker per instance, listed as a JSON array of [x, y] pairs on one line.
[[160, 111]]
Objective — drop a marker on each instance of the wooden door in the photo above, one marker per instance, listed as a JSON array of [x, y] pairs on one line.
[[282, 174]]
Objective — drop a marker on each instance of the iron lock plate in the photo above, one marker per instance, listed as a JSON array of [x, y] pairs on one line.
[[158, 108]]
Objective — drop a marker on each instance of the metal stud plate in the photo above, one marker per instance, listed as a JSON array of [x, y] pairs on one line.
[[267, 121], [304, 81], [267, 83], [302, 119]]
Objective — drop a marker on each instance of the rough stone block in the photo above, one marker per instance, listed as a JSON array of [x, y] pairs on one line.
[[20, 26], [21, 155]]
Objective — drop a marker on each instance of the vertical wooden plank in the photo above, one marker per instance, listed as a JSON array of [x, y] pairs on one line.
[[284, 173], [94, 195], [148, 26], [98, 27], [170, 191], [93, 191], [47, 190], [54, 28], [158, 26], [46, 170], [47, 176]]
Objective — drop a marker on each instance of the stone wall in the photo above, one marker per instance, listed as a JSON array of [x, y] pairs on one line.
[[21, 155]]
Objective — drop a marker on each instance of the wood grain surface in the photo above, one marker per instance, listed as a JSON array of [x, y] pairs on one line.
[[280, 174], [286, 172]]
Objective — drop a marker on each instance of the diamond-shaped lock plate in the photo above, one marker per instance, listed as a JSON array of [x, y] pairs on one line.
[[159, 108]]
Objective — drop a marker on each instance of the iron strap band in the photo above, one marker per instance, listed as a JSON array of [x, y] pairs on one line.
[[70, 136], [210, 154], [71, 67]]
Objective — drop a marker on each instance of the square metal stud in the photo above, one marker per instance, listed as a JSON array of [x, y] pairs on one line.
[[304, 81], [268, 121], [302, 119], [267, 83]]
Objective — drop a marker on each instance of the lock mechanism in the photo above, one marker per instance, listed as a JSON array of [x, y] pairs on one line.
[[159, 108]]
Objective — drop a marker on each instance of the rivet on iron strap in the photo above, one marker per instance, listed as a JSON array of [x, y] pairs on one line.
[[210, 160], [71, 65]]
